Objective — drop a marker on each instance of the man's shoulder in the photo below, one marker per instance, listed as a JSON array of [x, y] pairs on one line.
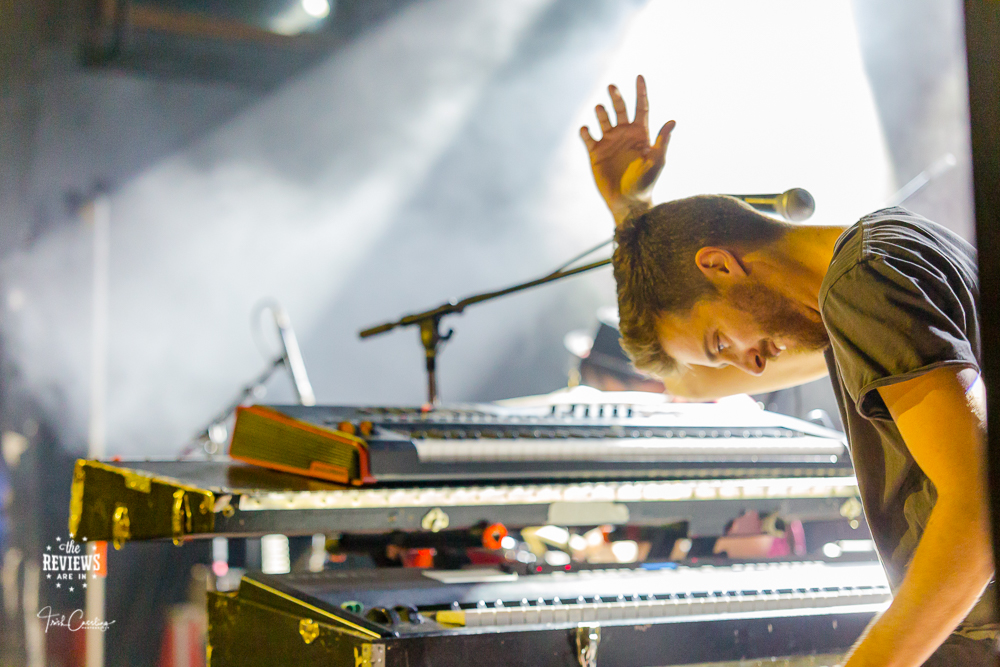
[[896, 230], [906, 239], [900, 298]]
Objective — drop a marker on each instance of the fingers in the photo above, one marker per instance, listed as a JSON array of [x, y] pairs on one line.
[[602, 117], [653, 164], [621, 114], [664, 133], [641, 102], [621, 117], [662, 139]]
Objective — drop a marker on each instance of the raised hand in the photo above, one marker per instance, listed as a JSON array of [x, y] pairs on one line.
[[625, 166]]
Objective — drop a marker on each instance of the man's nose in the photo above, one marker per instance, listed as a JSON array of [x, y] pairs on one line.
[[752, 361]]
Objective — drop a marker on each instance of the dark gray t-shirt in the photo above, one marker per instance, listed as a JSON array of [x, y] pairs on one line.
[[900, 298]]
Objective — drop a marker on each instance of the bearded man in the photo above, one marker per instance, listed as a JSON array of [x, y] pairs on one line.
[[715, 299]]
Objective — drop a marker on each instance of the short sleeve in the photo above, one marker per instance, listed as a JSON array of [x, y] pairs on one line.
[[890, 320]]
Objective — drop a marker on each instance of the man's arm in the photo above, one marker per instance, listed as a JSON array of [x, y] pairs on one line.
[[624, 164], [940, 421], [704, 383]]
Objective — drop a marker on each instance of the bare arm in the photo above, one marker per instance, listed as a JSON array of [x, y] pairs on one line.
[[706, 383], [624, 165], [940, 420]]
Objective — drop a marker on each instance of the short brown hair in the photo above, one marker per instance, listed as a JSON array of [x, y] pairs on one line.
[[655, 269]]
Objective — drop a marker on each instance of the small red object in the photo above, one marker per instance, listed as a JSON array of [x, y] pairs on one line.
[[418, 558], [101, 558], [484, 557], [493, 535]]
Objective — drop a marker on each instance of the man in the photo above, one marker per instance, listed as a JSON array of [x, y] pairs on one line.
[[716, 298]]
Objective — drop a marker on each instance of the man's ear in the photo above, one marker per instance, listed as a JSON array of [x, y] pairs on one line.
[[718, 264]]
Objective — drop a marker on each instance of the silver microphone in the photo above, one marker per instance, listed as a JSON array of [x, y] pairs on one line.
[[794, 205], [293, 356]]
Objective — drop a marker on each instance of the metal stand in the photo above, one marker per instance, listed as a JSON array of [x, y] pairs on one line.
[[432, 338], [429, 321]]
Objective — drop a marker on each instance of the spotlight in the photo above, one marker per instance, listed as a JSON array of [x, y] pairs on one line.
[[318, 9]]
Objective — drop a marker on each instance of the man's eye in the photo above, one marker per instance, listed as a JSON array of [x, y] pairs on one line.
[[720, 346]]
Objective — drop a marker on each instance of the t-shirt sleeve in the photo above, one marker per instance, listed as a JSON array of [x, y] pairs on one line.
[[890, 320]]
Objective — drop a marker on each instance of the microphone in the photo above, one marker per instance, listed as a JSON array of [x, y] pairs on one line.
[[293, 356], [794, 205]]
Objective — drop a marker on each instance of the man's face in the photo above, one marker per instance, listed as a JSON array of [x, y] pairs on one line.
[[745, 327]]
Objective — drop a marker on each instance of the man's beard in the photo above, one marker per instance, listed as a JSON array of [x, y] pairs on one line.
[[777, 317]]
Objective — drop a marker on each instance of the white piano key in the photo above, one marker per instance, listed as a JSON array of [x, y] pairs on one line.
[[589, 612], [546, 614], [827, 598], [701, 605], [799, 599], [684, 606], [487, 616], [560, 614], [658, 608], [758, 602]]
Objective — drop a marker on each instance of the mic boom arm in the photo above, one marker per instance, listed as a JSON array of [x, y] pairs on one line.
[[429, 321]]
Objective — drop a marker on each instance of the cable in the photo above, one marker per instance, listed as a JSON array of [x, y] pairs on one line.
[[577, 258]]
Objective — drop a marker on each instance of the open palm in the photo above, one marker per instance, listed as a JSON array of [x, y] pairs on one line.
[[624, 163]]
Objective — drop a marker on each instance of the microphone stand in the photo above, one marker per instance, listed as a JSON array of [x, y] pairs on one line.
[[429, 321]]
